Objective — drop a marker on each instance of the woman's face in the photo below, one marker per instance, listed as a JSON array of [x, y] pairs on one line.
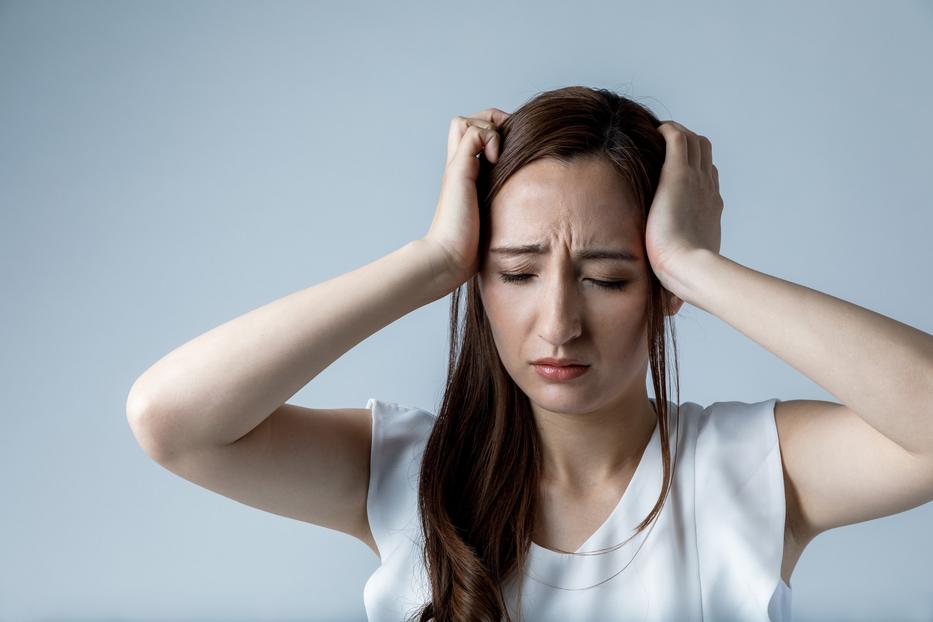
[[561, 309]]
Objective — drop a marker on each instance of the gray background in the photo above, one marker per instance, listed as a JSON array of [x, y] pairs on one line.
[[165, 167]]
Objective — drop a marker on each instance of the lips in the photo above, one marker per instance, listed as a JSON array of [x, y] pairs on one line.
[[560, 373], [561, 362]]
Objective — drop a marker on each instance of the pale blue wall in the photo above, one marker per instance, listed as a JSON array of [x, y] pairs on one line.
[[167, 166]]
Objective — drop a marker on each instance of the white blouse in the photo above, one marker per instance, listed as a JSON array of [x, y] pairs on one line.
[[713, 553]]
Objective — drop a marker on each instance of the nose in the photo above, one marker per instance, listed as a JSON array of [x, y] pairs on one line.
[[559, 318]]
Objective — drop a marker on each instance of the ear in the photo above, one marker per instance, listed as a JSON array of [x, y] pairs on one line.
[[676, 303]]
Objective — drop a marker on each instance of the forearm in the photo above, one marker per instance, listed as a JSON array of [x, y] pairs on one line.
[[219, 386], [878, 367]]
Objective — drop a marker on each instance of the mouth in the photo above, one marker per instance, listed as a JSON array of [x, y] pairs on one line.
[[561, 362], [560, 373]]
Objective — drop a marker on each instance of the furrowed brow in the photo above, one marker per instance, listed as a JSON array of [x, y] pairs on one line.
[[583, 255]]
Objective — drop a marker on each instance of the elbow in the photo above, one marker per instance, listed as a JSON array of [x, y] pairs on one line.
[[138, 404], [142, 419]]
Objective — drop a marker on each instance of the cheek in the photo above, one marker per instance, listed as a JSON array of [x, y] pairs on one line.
[[621, 333], [618, 311], [498, 297], [502, 323], [505, 324]]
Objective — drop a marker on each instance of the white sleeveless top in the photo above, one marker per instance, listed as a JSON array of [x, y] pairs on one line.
[[713, 553]]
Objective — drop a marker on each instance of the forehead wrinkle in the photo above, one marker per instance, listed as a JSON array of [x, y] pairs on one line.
[[561, 233], [586, 221], [591, 253], [574, 206]]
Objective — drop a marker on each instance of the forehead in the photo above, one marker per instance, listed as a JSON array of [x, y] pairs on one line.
[[585, 201]]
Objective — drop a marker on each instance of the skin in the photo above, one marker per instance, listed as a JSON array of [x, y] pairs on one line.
[[594, 428]]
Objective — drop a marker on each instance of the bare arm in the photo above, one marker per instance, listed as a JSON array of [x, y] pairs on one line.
[[219, 386], [867, 457], [213, 410]]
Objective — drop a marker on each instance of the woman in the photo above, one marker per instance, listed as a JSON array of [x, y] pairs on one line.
[[549, 486]]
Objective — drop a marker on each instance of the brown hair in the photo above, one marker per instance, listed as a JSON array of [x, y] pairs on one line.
[[481, 465]]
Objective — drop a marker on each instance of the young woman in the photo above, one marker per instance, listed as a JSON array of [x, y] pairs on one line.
[[549, 486]]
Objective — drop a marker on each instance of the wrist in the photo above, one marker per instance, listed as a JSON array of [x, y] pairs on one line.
[[445, 278], [682, 275]]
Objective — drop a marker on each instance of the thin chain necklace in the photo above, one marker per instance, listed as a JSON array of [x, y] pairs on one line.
[[615, 547], [575, 589]]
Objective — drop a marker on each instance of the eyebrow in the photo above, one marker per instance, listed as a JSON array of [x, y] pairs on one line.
[[585, 254]]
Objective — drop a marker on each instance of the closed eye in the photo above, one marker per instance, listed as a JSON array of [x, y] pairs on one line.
[[521, 278]]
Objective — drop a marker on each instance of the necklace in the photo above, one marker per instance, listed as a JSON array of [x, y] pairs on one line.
[[601, 552], [621, 544]]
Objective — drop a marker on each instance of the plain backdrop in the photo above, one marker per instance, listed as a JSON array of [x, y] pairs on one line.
[[168, 166]]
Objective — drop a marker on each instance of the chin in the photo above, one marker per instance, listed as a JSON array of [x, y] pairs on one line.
[[561, 398]]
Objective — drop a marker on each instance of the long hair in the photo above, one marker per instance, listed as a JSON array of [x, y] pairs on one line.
[[482, 462]]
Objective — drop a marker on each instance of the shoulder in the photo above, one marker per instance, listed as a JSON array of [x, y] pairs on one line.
[[398, 431], [741, 426], [737, 442], [399, 435], [740, 504], [398, 423]]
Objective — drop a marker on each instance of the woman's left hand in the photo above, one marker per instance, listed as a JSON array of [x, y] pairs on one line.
[[686, 210]]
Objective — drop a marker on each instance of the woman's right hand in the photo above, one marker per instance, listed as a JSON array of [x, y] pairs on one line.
[[454, 232]]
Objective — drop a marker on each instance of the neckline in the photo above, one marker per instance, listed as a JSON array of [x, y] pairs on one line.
[[623, 507]]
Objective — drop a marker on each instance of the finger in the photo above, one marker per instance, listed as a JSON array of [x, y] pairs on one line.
[[454, 134], [693, 146], [706, 154], [494, 115], [458, 126], [491, 140], [693, 143], [475, 140], [677, 148]]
